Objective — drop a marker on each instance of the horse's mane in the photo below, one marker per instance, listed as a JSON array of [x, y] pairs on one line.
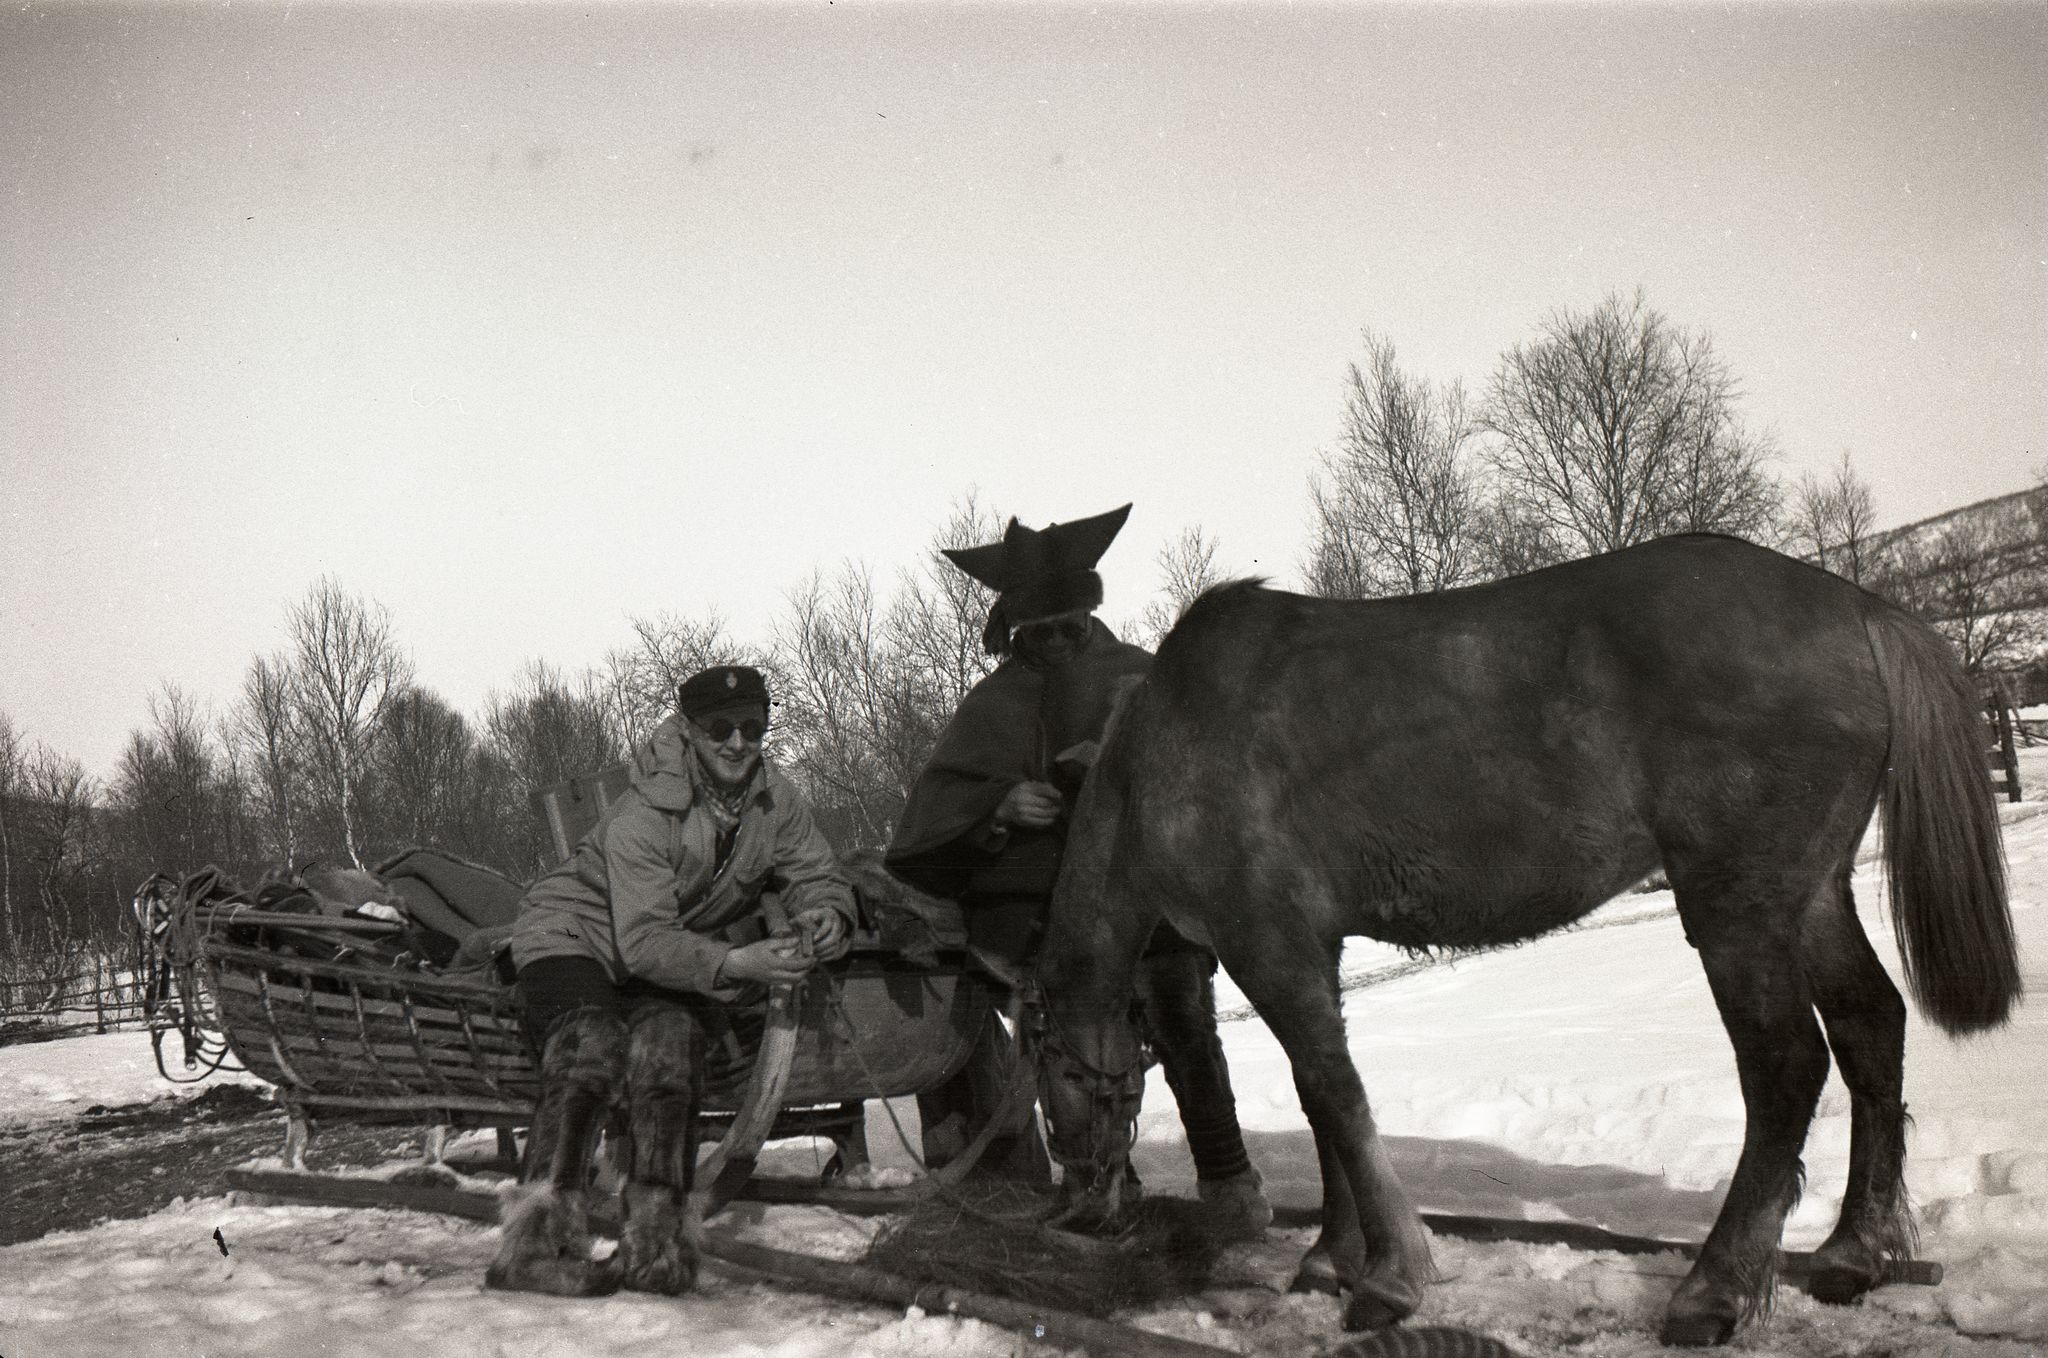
[[1218, 599], [1205, 610], [1243, 584]]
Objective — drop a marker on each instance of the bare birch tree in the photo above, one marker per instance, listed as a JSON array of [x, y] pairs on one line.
[[346, 668], [1831, 520], [849, 720], [639, 683], [175, 802], [424, 772], [266, 732], [1395, 502], [1187, 566], [548, 731], [869, 682], [940, 610], [1615, 426], [1510, 539], [57, 804], [13, 772]]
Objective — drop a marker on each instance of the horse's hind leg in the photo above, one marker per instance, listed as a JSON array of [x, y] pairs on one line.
[[1866, 1027], [1747, 934], [1372, 1238]]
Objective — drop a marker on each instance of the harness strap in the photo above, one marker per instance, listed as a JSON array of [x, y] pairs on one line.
[[1021, 1092]]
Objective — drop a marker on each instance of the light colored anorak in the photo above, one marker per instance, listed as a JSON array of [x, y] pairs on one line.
[[643, 894]]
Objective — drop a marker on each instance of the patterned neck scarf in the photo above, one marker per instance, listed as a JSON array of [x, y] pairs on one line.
[[724, 804]]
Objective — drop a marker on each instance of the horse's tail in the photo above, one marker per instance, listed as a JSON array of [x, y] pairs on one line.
[[1943, 854]]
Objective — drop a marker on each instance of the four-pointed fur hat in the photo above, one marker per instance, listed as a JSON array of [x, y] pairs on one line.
[[1039, 573]]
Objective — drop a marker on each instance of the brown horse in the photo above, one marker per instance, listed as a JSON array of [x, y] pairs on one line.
[[1478, 767]]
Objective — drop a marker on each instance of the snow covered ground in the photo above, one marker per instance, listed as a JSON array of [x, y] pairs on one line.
[[1582, 1077]]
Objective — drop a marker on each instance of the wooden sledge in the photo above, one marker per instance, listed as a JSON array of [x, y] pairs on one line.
[[313, 1005], [346, 1040]]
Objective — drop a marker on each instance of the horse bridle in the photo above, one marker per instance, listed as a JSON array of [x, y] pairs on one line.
[[1114, 1097]]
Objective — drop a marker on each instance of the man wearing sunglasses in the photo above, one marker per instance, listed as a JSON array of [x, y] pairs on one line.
[[643, 956], [986, 823]]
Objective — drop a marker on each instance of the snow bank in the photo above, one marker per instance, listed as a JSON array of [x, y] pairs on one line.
[[40, 1081]]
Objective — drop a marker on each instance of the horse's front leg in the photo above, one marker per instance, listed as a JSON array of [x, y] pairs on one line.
[[1372, 1242], [1382, 1223], [1338, 1254]]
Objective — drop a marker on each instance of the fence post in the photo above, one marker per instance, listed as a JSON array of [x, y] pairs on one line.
[[2005, 758]]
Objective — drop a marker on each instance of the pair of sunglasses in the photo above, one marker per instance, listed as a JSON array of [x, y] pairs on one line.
[[1071, 630], [718, 728]]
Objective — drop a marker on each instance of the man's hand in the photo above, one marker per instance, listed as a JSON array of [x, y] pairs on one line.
[[1030, 806], [772, 961], [825, 930]]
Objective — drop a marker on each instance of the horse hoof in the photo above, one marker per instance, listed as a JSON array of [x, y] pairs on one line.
[[1316, 1274], [1696, 1332], [1373, 1307], [1838, 1284]]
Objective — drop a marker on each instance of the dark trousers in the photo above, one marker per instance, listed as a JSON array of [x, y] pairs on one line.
[[1177, 1009]]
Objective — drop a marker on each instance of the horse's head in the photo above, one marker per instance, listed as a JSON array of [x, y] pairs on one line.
[[1091, 1078]]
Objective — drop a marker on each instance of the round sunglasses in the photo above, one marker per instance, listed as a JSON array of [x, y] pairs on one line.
[[718, 728]]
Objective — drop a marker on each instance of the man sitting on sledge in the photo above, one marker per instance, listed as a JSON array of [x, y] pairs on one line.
[[642, 952], [986, 823]]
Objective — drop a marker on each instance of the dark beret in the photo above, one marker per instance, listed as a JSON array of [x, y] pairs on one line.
[[720, 687]]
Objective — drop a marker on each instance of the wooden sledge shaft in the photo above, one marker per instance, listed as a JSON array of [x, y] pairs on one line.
[[347, 1191], [483, 1207], [1794, 1263], [859, 1282]]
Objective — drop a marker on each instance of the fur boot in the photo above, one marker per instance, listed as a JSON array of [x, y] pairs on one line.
[[1236, 1207], [546, 1245], [664, 1086], [582, 1070], [658, 1243]]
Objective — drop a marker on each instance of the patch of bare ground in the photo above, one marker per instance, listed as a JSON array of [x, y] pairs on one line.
[[131, 1161]]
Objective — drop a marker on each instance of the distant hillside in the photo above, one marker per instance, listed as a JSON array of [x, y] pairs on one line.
[[1980, 574], [2030, 505]]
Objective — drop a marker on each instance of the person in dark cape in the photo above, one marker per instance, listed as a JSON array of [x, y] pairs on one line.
[[986, 824]]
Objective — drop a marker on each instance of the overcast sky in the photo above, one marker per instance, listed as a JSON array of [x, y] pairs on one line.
[[524, 320]]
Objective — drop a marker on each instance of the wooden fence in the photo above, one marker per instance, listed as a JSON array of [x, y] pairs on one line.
[[88, 993], [2003, 757]]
